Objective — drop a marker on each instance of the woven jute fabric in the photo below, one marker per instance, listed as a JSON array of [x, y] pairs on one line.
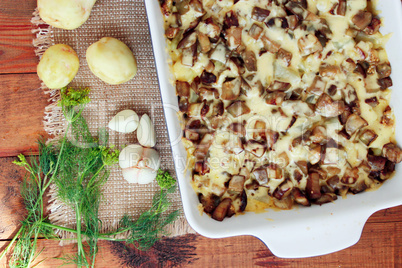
[[125, 20]]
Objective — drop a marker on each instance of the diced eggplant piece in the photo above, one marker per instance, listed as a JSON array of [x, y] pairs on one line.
[[236, 183], [351, 175], [182, 6], [204, 42], [300, 198], [359, 187], [329, 71], [303, 166], [238, 128], [283, 159], [297, 175], [341, 8], [315, 154], [384, 70], [208, 202], [233, 37], [208, 78], [243, 201], [275, 98], [350, 94], [255, 31], [373, 27], [218, 108], [313, 189], [274, 172], [277, 22], [337, 186], [203, 147], [238, 108], [283, 190], [259, 130], [392, 152], [326, 198], [322, 38], [209, 28], [284, 55], [196, 5], [219, 53], [293, 21], [188, 40], [377, 163], [270, 45], [368, 136], [205, 109], [259, 14], [171, 32], [250, 61], [279, 86], [256, 148], [235, 146], [231, 89], [272, 138], [319, 135], [230, 20], [206, 93], [261, 175], [385, 83], [201, 167], [309, 44], [373, 102], [182, 89], [326, 107], [221, 210], [192, 135], [189, 55], [354, 123], [183, 105], [387, 117], [296, 9], [318, 86], [360, 70], [362, 19]]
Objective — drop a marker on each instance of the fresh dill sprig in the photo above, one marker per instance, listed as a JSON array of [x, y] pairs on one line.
[[76, 164], [149, 227]]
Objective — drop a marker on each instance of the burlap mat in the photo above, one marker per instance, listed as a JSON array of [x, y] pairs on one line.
[[125, 20]]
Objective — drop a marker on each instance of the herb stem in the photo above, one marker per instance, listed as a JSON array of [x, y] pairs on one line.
[[11, 243], [81, 251]]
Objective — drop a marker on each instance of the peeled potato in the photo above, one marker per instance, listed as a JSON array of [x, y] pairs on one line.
[[111, 60], [58, 66], [65, 14]]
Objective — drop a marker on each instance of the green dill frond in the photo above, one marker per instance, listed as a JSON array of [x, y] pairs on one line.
[[74, 97], [164, 179]]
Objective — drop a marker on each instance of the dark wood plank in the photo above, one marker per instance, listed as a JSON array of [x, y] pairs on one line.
[[21, 113], [16, 49]]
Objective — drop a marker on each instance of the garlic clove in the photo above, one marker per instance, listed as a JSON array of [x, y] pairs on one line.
[[146, 132], [131, 155], [139, 164], [146, 175], [152, 158], [125, 121], [131, 174]]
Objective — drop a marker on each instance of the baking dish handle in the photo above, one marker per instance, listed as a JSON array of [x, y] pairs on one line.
[[315, 237]]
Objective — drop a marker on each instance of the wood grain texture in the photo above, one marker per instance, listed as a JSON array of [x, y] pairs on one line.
[[21, 113], [16, 49], [245, 251], [11, 205]]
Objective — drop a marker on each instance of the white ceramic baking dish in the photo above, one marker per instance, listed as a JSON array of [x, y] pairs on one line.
[[301, 232]]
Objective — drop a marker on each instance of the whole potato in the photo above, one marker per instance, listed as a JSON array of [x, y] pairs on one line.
[[58, 66], [111, 60], [65, 14]]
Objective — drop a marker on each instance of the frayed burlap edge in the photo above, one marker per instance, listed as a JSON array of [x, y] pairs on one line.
[[55, 125]]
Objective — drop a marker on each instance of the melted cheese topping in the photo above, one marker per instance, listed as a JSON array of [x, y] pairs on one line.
[[334, 59]]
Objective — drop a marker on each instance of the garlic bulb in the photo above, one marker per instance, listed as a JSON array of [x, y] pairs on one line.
[[139, 164], [146, 132], [125, 121]]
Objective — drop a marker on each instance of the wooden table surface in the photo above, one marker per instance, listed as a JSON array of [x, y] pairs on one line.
[[21, 111]]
